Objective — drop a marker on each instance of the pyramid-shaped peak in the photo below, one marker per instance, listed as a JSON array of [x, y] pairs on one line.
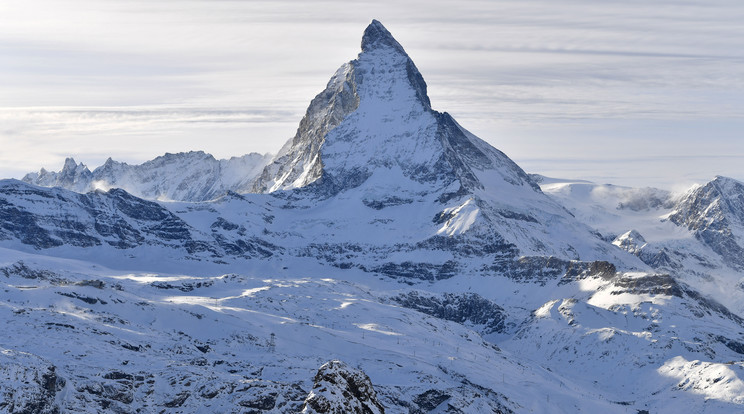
[[377, 36], [632, 235], [384, 59], [374, 124]]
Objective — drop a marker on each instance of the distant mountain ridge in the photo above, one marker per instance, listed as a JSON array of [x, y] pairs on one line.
[[185, 176]]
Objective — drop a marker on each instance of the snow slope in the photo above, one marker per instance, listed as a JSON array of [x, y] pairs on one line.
[[198, 343], [696, 235]]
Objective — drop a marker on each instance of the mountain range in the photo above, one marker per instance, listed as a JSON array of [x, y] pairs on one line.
[[192, 176], [384, 260]]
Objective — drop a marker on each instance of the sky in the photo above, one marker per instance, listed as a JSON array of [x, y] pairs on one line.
[[640, 93]]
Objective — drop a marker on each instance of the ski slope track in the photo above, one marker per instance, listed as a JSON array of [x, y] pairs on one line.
[[386, 260]]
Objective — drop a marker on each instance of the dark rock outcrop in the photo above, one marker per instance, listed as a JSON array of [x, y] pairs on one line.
[[467, 308], [340, 389], [28, 385]]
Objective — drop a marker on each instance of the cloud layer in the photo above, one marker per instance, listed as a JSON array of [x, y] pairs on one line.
[[627, 91]]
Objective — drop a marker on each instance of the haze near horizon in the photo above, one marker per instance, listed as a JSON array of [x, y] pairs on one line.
[[632, 94]]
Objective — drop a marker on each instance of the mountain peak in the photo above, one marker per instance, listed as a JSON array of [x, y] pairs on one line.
[[382, 61], [70, 164], [110, 162], [374, 123], [376, 36], [631, 241], [718, 187], [725, 183], [71, 168]]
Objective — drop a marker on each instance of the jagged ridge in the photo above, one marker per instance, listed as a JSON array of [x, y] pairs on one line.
[[186, 176]]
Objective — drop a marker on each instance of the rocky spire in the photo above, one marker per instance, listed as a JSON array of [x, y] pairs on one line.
[[376, 35], [383, 76], [340, 389], [377, 41], [373, 130], [73, 176]]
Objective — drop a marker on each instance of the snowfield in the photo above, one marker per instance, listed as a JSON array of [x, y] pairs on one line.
[[152, 341]]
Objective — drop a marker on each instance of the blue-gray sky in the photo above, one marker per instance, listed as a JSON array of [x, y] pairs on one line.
[[627, 92]]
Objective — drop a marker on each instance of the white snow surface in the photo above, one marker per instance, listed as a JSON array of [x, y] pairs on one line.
[[276, 322]]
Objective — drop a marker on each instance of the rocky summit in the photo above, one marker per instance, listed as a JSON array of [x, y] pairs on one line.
[[384, 235]]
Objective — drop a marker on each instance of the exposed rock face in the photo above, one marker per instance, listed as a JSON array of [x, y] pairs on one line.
[[474, 400], [715, 214], [28, 384], [340, 389], [118, 391], [469, 309], [659, 258], [297, 164], [666, 285], [542, 270], [21, 269]]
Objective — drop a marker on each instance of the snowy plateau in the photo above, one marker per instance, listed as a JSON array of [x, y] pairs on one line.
[[385, 260]]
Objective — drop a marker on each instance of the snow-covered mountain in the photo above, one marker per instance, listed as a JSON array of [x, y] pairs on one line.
[[377, 180], [714, 213], [696, 235], [186, 176], [385, 260], [371, 136]]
